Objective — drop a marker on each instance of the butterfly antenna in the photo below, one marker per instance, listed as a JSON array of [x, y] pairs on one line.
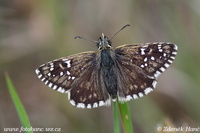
[[119, 30], [80, 37]]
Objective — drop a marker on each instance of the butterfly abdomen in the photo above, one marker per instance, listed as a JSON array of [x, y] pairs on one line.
[[108, 72]]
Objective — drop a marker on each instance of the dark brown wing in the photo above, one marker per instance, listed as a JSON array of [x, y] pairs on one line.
[[140, 65], [77, 75], [89, 91]]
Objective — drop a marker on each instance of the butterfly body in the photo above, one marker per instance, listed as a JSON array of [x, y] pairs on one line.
[[108, 71], [93, 79]]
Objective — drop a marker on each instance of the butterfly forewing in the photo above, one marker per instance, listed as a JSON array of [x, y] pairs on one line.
[[140, 65], [62, 73], [151, 58]]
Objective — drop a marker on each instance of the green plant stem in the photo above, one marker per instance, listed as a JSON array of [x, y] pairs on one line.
[[116, 117], [126, 117]]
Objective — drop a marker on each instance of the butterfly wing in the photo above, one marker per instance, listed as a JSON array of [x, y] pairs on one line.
[[75, 74], [89, 91], [140, 65]]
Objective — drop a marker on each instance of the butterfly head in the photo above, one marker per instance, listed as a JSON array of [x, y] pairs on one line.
[[104, 43]]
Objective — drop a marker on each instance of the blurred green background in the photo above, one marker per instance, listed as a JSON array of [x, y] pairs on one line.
[[35, 32]]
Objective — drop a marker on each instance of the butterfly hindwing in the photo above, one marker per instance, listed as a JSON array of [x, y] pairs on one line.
[[133, 83], [89, 91]]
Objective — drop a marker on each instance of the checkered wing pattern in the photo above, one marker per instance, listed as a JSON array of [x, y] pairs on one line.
[[140, 65], [76, 75]]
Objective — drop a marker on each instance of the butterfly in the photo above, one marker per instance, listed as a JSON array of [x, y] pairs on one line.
[[94, 79]]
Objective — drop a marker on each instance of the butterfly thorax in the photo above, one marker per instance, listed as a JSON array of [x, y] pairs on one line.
[[108, 66]]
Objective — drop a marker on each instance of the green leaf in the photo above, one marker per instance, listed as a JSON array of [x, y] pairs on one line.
[[126, 117], [18, 105]]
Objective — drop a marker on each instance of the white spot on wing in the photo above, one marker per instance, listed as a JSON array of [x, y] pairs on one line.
[[157, 74], [95, 105], [80, 105], [89, 106], [160, 50], [55, 87], [68, 63], [174, 53], [68, 73], [101, 103], [142, 51], [170, 61], [175, 47], [128, 98], [72, 102], [140, 94], [145, 59], [60, 89], [166, 65], [61, 73], [159, 46], [39, 76], [43, 79], [135, 96], [148, 90], [154, 84], [172, 57], [69, 95], [50, 85], [152, 58], [151, 77], [37, 71], [46, 82], [162, 69]]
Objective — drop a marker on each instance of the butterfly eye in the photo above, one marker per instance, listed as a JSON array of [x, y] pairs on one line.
[[99, 45], [109, 43]]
